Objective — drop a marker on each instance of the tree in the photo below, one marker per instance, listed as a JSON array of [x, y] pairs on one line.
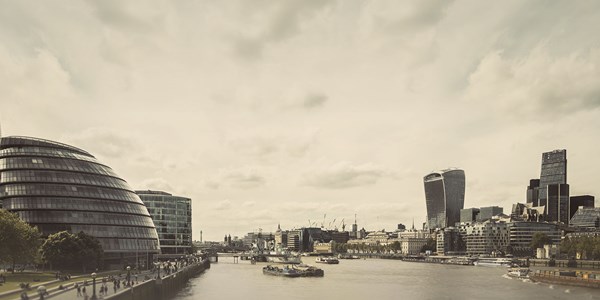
[[539, 240], [396, 246], [19, 242], [430, 245], [64, 250]]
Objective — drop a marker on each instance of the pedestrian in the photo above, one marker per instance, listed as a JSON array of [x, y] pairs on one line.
[[78, 289], [83, 290], [24, 296]]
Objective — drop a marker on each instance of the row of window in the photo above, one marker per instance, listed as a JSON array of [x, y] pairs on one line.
[[61, 177], [22, 142], [171, 230], [45, 152], [30, 189], [129, 245], [74, 204], [169, 212], [75, 217], [101, 230], [180, 204], [55, 164]]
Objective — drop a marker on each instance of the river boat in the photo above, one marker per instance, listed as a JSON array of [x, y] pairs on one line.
[[518, 272], [309, 271], [330, 260], [493, 262], [283, 272], [575, 278], [287, 259]]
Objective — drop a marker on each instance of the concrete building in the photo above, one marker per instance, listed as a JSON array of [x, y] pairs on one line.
[[486, 213], [412, 245], [469, 215], [521, 234], [58, 187], [449, 242], [172, 216], [444, 197]]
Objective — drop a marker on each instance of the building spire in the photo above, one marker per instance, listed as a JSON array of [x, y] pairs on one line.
[[413, 226]]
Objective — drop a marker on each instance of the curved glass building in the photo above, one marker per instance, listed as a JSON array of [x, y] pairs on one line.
[[445, 197], [59, 187]]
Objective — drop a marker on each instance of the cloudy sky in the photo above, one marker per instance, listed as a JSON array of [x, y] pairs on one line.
[[267, 112]]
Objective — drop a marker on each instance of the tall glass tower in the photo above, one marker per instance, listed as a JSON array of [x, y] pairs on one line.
[[445, 197], [553, 188]]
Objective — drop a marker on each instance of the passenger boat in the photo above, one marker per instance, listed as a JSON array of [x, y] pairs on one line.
[[288, 259], [283, 272], [493, 262], [518, 272], [327, 260]]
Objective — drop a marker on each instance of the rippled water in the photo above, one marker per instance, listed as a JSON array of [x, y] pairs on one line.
[[373, 279]]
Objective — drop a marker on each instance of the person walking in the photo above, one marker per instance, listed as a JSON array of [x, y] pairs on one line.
[[78, 287]]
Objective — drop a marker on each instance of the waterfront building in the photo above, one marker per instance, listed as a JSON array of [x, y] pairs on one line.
[[412, 245], [414, 233], [172, 217], [487, 237], [340, 236], [533, 192], [469, 215], [293, 240], [554, 190], [521, 234], [324, 248], [586, 217], [580, 201], [449, 242], [280, 238], [58, 187], [444, 197]]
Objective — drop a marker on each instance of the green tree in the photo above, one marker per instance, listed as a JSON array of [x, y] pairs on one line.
[[64, 250], [539, 240], [19, 242], [395, 246], [430, 245]]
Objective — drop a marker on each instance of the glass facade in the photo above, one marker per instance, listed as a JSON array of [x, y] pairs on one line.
[[444, 197], [554, 172], [580, 201], [586, 217], [172, 216], [59, 187]]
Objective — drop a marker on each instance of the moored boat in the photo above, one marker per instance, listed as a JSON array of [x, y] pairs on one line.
[[518, 272], [283, 272], [327, 260], [493, 262]]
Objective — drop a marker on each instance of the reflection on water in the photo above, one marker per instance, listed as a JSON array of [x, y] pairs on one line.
[[373, 279]]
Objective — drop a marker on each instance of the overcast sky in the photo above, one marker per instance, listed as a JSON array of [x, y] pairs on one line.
[[267, 112]]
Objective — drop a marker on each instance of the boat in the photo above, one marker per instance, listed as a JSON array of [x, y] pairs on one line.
[[283, 272], [330, 260], [309, 271], [287, 259], [518, 272], [493, 262]]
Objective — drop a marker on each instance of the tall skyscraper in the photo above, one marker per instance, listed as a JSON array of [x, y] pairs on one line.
[[553, 189], [533, 192], [445, 197]]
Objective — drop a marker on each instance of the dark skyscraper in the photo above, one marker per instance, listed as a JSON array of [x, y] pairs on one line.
[[444, 197], [576, 201], [553, 189], [533, 192]]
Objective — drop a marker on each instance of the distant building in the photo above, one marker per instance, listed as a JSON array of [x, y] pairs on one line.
[[412, 245], [587, 217], [444, 197], [525, 212], [469, 215], [401, 227], [521, 234], [172, 216], [280, 238], [553, 189], [293, 240], [580, 201], [486, 213], [533, 192], [324, 248], [485, 237], [340, 236], [450, 242]]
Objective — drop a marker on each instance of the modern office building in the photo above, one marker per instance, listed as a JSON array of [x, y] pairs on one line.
[[533, 192], [588, 217], [450, 242], [553, 188], [172, 216], [59, 187], [580, 201], [444, 197], [521, 235], [469, 215], [486, 213], [485, 237]]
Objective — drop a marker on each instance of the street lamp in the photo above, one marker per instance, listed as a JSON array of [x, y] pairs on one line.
[[128, 275], [41, 291], [94, 286]]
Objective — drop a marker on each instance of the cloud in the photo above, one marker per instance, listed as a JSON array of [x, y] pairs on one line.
[[345, 175], [401, 17], [283, 20], [266, 147], [104, 142], [223, 205], [159, 184], [538, 86], [246, 178]]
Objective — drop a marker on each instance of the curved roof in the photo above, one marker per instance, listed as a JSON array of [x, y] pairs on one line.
[[16, 141]]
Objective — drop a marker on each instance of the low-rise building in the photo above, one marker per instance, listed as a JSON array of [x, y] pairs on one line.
[[324, 248], [521, 234], [412, 245], [485, 237]]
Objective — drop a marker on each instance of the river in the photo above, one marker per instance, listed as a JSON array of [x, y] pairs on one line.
[[373, 279]]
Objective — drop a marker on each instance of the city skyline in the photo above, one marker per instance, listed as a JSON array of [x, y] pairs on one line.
[[283, 111]]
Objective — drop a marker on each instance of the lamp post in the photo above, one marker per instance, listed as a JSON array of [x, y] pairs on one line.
[[128, 275], [94, 286], [41, 291]]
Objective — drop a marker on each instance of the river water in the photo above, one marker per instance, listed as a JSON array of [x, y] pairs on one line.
[[373, 279]]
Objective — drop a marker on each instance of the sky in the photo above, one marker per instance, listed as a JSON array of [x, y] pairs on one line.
[[270, 112]]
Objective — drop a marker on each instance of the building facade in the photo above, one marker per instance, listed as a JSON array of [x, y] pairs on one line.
[[580, 201], [587, 217], [487, 237], [521, 234], [172, 216], [533, 192], [469, 215], [553, 189], [58, 187], [444, 197]]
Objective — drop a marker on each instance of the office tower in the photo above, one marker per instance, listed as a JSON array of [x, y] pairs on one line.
[[172, 216], [468, 215], [486, 213], [444, 197], [553, 189], [580, 201], [58, 187], [533, 191]]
